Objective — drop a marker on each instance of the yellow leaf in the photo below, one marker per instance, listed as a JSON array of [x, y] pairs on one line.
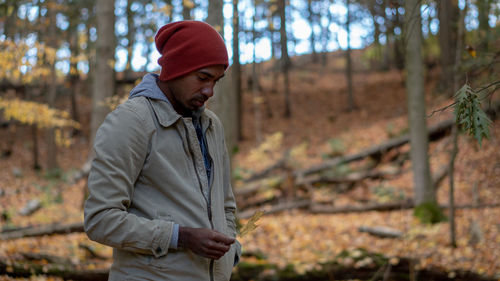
[[251, 224]]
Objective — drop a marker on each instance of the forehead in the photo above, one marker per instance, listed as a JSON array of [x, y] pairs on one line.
[[214, 71]]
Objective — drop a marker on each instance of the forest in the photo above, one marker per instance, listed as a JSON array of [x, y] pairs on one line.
[[362, 134]]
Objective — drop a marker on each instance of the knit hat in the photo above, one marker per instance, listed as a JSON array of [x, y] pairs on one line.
[[186, 46]]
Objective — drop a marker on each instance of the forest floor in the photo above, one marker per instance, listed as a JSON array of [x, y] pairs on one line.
[[319, 126]]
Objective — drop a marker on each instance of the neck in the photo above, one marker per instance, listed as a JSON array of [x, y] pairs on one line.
[[163, 85]]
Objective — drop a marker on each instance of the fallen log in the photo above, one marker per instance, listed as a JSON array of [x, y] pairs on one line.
[[408, 204], [82, 173], [30, 207], [26, 270], [393, 268], [47, 257], [381, 231], [264, 173], [276, 208], [322, 209], [435, 132], [43, 230], [353, 177], [303, 203], [439, 176]]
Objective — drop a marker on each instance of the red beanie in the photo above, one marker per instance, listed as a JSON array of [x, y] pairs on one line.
[[186, 46]]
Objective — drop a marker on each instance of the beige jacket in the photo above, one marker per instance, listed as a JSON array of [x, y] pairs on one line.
[[149, 174]]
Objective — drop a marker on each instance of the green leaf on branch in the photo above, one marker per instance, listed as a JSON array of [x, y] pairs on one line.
[[469, 115]]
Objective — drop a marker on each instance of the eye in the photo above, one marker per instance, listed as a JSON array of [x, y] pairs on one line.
[[202, 78]]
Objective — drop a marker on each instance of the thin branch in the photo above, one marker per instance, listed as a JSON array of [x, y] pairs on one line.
[[441, 109], [487, 86], [477, 91]]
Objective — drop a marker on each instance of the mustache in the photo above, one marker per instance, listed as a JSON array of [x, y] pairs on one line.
[[201, 98]]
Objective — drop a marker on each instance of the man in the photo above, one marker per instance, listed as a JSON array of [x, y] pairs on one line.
[[160, 191]]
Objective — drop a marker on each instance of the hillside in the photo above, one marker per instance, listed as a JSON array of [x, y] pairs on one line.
[[319, 128]]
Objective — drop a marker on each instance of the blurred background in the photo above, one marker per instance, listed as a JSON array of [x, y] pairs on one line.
[[365, 130]]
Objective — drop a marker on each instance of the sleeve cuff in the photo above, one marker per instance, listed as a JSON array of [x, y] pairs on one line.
[[175, 237], [237, 254]]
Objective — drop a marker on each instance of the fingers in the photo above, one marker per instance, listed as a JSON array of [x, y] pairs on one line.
[[205, 242], [221, 238], [216, 247]]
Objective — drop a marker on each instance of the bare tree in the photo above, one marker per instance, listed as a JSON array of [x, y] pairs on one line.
[[255, 84], [236, 68], [424, 191], [285, 60], [104, 79], [351, 105], [312, 18], [224, 102], [447, 35], [51, 158]]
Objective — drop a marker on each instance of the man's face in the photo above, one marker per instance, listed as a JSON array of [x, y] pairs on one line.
[[190, 92]]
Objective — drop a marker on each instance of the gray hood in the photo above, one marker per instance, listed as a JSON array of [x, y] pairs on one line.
[[148, 88]]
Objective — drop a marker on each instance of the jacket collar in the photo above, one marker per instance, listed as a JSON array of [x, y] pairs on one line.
[[167, 115]]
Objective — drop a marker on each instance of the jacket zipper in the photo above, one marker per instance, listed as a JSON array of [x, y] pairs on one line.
[[209, 208], [212, 262]]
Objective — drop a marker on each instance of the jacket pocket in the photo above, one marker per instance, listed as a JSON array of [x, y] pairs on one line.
[[224, 266]]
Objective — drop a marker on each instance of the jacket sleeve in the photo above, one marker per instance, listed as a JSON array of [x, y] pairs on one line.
[[230, 202], [121, 147]]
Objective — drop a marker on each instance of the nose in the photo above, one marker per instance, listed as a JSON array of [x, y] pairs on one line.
[[208, 91]]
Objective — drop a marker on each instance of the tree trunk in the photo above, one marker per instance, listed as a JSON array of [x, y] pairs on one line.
[[453, 155], [351, 105], [446, 38], [74, 78], [483, 7], [388, 38], [399, 43], [104, 80], [424, 191], [376, 34], [256, 101], [51, 157], [285, 62], [237, 69], [224, 102], [130, 38], [325, 33], [454, 151], [311, 18], [186, 9]]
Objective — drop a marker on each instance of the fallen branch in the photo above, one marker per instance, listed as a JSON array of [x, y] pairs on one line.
[[82, 173], [353, 177], [277, 208], [264, 173], [435, 132], [381, 231], [439, 176], [245, 191], [43, 230], [91, 252], [30, 207], [44, 256], [322, 209], [313, 208], [26, 270]]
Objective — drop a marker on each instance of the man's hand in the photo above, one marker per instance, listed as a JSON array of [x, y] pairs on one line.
[[205, 242]]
